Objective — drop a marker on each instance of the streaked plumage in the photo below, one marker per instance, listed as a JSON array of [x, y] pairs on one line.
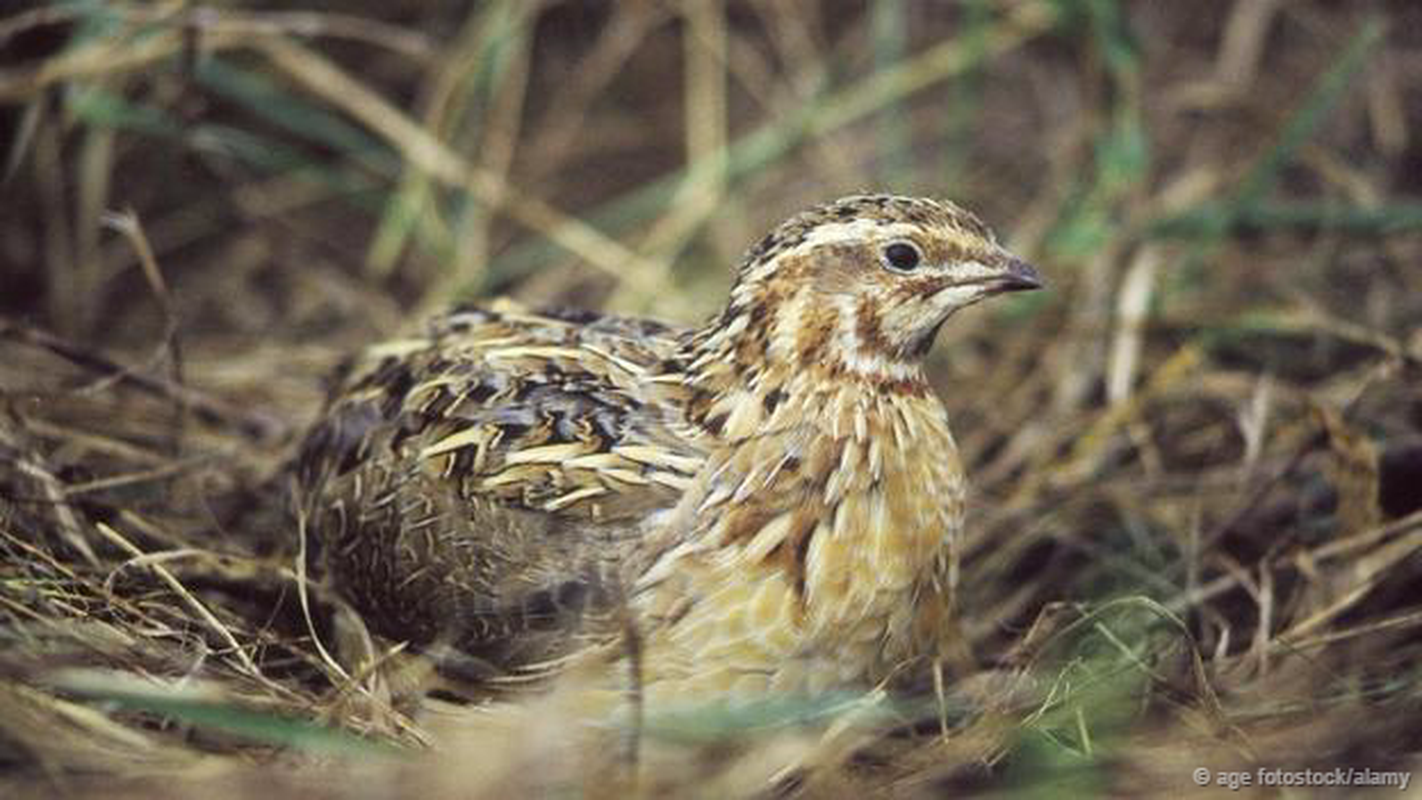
[[774, 495]]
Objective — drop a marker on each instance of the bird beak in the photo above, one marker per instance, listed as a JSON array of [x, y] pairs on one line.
[[1017, 276]]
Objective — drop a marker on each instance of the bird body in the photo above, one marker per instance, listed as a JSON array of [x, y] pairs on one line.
[[772, 496]]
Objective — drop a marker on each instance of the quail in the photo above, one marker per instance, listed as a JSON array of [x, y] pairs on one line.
[[773, 496]]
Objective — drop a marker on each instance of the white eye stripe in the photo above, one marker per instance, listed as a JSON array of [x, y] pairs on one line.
[[855, 231]]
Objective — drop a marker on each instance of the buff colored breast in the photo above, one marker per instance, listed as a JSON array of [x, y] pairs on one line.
[[876, 524]]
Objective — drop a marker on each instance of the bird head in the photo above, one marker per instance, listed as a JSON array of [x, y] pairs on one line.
[[862, 285]]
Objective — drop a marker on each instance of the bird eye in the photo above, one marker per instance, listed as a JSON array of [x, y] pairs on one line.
[[902, 257]]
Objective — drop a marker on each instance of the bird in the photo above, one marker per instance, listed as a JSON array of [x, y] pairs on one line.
[[771, 498]]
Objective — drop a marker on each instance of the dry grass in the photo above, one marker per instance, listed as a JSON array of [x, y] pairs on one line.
[[1197, 460]]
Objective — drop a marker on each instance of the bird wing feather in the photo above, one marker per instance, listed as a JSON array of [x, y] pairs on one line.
[[486, 477]]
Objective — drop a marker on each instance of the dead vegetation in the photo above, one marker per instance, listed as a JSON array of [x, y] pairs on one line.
[[1197, 460]]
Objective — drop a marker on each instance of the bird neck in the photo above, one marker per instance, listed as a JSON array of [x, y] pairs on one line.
[[769, 361]]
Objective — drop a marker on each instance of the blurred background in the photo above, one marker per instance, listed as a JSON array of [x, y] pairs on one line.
[[1196, 458]]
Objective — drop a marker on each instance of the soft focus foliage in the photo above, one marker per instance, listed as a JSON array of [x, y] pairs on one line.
[[1197, 459]]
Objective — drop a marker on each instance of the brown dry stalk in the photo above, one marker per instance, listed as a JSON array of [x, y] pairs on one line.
[[323, 78]]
